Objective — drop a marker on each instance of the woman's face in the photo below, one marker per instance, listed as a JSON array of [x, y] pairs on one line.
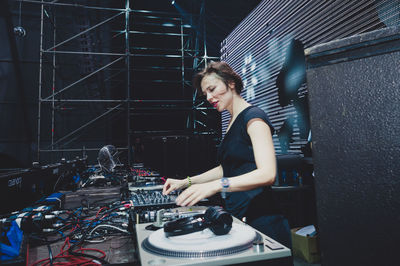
[[217, 93]]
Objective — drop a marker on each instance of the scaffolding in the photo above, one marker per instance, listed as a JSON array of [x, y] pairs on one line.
[[192, 55]]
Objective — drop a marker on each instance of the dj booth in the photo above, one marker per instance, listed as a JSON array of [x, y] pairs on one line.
[[127, 222]]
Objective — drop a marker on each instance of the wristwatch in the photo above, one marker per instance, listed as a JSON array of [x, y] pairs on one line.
[[225, 186]]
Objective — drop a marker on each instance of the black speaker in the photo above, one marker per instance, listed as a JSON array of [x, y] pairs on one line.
[[354, 99]]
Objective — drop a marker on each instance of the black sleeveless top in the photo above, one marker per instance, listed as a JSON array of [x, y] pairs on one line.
[[236, 157]]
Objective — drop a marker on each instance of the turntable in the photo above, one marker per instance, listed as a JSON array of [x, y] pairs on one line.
[[242, 245]]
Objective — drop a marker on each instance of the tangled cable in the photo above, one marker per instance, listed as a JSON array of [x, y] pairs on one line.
[[91, 224]]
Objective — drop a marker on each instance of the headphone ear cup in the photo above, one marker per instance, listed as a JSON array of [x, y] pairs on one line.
[[185, 225], [219, 221]]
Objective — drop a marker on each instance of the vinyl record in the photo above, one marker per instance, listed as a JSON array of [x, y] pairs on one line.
[[201, 244]]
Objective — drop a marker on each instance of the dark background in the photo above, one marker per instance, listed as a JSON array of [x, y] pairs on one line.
[[93, 112]]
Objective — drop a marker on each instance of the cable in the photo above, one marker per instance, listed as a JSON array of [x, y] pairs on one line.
[[97, 241], [110, 226], [27, 251], [58, 180], [50, 255], [80, 225], [19, 17], [76, 258]]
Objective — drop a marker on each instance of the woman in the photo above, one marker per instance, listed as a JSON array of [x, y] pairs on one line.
[[246, 155]]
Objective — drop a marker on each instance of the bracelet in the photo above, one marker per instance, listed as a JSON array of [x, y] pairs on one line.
[[190, 181]]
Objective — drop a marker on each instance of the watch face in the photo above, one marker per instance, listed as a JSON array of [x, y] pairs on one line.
[[225, 182]]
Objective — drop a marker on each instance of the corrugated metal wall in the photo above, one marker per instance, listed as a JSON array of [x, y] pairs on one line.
[[261, 48]]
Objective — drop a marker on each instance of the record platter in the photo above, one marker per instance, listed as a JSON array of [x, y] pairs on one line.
[[242, 245]]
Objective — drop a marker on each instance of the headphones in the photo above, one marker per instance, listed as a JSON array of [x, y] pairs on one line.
[[215, 218]]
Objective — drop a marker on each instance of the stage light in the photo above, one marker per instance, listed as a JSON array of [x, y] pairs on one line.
[[173, 2], [19, 31]]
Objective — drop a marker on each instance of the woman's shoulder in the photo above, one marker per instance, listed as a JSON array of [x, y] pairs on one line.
[[256, 112]]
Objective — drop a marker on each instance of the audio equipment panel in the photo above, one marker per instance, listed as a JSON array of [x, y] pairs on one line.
[[145, 185], [152, 198]]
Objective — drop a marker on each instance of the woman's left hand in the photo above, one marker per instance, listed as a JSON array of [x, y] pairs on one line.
[[197, 192]]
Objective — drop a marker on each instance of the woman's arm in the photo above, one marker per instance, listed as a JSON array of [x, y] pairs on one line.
[[264, 155], [173, 184], [214, 174], [264, 175]]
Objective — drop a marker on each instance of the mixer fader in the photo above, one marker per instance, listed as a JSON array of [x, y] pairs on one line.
[[151, 198]]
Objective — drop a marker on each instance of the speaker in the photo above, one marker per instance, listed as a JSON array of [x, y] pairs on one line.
[[354, 99]]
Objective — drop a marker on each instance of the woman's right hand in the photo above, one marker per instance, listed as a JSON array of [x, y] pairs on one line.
[[173, 184]]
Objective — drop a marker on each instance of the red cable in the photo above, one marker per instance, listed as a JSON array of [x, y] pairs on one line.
[[97, 214], [72, 259], [27, 254]]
